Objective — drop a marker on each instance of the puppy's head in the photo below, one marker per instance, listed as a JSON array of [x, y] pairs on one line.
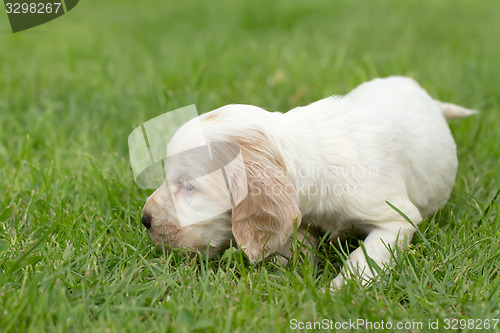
[[227, 184]]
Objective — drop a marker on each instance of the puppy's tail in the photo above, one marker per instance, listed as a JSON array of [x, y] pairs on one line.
[[452, 111]]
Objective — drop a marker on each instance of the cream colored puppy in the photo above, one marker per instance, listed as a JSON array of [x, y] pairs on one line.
[[333, 165]]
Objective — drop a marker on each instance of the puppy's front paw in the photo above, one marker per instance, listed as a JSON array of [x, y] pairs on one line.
[[337, 283]]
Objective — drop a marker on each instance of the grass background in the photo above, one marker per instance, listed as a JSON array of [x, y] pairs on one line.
[[73, 253]]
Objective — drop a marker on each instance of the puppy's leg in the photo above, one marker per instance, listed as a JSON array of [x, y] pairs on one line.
[[379, 246]]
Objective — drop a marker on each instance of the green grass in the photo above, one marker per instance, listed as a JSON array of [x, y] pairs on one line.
[[73, 253]]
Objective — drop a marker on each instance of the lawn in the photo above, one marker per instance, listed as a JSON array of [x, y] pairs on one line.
[[73, 253]]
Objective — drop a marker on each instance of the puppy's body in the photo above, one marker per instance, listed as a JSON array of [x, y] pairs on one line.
[[333, 164], [376, 147]]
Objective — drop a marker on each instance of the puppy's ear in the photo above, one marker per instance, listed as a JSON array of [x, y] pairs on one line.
[[263, 220]]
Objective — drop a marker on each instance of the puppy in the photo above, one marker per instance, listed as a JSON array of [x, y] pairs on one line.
[[338, 165]]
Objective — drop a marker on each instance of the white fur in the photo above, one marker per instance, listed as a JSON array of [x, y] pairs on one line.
[[385, 141]]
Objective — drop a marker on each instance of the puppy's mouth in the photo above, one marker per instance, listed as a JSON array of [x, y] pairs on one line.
[[166, 248], [166, 239], [165, 234]]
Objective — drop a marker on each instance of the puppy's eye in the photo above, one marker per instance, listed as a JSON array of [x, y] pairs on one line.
[[187, 186]]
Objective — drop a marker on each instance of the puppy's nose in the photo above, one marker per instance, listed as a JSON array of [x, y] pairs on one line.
[[146, 220]]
